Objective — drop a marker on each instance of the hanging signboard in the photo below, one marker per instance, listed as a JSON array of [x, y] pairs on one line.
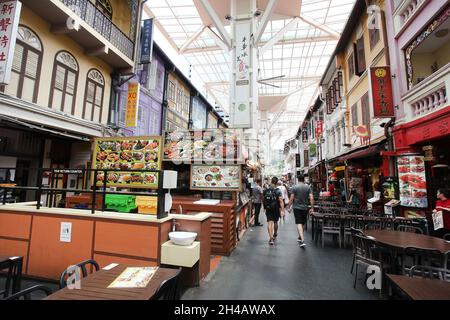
[[9, 23], [381, 84], [147, 42], [298, 163], [131, 114], [215, 177], [305, 135], [312, 150], [240, 115], [413, 183], [319, 128]]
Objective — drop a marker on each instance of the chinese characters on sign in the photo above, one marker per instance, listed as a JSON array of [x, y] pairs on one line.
[[147, 41], [132, 104], [319, 128], [9, 22], [383, 105]]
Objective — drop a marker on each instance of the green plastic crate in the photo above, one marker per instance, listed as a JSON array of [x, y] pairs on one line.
[[121, 203]]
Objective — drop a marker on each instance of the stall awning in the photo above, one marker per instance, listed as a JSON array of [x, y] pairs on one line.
[[363, 153]]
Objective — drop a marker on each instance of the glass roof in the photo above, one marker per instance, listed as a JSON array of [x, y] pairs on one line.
[[299, 58]]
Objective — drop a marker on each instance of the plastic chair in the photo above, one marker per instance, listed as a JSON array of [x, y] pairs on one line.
[[25, 294], [430, 273], [169, 289], [13, 277], [82, 265]]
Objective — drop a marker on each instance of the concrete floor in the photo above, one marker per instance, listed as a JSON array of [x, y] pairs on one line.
[[256, 271]]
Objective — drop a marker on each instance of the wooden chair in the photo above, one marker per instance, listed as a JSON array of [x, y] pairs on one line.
[[423, 257], [409, 228], [430, 273], [331, 225], [169, 289], [84, 273], [354, 232], [13, 276], [26, 294]]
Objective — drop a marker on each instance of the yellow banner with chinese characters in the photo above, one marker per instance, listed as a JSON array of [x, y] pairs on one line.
[[131, 115]]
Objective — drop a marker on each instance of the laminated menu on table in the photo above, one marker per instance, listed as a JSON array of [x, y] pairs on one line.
[[134, 277]]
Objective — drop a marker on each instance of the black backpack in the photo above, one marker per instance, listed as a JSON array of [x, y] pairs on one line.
[[270, 200]]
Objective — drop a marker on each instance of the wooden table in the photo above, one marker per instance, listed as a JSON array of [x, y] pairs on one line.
[[422, 289], [95, 286], [403, 240]]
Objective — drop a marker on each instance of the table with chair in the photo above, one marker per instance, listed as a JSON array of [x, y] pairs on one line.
[[421, 288], [164, 285]]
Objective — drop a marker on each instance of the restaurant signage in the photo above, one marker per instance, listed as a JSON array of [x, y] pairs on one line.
[[413, 183], [131, 115], [305, 135], [319, 128], [147, 41], [9, 23], [216, 177], [131, 153], [209, 146], [298, 163], [381, 84]]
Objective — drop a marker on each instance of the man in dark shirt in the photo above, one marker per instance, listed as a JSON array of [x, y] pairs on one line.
[[274, 205], [301, 198]]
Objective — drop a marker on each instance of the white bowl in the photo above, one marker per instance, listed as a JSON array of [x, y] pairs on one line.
[[182, 238]]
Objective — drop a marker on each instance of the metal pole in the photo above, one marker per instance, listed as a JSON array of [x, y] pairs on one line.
[[39, 192], [104, 190], [94, 186], [161, 213]]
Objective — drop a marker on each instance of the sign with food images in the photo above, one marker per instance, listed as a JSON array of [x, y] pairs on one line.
[[131, 153], [412, 181], [210, 146], [217, 178]]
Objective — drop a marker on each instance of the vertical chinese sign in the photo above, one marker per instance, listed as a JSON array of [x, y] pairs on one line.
[[241, 109], [131, 116], [381, 84], [9, 23], [147, 42]]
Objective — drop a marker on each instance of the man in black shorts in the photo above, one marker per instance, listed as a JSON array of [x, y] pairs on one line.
[[301, 197], [274, 206]]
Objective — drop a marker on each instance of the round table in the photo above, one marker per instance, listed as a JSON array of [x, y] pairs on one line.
[[403, 240]]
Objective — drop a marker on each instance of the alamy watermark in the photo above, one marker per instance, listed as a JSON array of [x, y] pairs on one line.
[[374, 277], [74, 276]]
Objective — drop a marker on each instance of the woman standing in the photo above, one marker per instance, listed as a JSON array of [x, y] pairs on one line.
[[443, 204]]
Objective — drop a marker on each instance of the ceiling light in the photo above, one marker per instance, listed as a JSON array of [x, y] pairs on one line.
[[440, 165], [442, 33]]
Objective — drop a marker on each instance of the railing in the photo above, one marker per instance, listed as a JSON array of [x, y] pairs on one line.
[[404, 12], [429, 95], [87, 11]]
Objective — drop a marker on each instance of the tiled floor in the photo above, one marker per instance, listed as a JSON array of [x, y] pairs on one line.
[[256, 271]]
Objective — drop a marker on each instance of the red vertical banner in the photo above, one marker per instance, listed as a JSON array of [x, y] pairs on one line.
[[381, 83]]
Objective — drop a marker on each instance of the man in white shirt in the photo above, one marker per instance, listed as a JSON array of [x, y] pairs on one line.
[[285, 194]]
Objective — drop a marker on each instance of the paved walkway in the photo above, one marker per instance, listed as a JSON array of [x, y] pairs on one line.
[[283, 272]]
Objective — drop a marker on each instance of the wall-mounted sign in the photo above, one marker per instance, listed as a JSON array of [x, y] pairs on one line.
[[219, 178], [9, 23], [381, 84], [131, 115], [147, 41], [65, 234], [131, 153]]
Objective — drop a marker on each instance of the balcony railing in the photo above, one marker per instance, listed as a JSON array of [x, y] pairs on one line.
[[87, 11], [429, 95], [405, 11]]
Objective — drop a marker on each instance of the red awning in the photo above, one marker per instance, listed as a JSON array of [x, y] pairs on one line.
[[367, 152]]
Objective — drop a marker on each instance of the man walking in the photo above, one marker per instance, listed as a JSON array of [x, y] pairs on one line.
[[284, 192], [301, 195], [257, 196], [274, 206]]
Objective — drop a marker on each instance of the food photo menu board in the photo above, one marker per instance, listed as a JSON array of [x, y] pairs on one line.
[[132, 153], [412, 181], [217, 178], [210, 146]]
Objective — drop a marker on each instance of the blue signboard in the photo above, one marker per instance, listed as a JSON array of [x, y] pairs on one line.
[[147, 41]]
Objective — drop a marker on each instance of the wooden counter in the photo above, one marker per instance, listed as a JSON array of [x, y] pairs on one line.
[[223, 221], [104, 236]]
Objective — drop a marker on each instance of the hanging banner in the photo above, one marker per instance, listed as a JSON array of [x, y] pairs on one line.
[[9, 23], [381, 84], [305, 136], [319, 128], [240, 115], [131, 115], [147, 42]]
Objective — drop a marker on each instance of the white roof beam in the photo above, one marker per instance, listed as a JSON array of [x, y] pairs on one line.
[[265, 19], [290, 41], [269, 44], [219, 41], [191, 39], [217, 23], [336, 35]]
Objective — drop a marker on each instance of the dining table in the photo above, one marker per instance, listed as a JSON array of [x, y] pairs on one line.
[[416, 288], [95, 286]]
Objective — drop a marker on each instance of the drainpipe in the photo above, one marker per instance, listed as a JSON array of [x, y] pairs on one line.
[[164, 104]]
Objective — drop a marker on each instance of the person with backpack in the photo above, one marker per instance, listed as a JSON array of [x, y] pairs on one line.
[[301, 198], [274, 205]]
